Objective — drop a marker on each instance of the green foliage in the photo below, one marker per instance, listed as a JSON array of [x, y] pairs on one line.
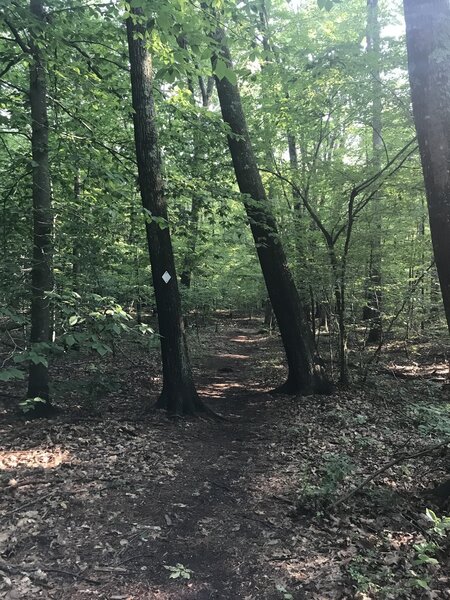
[[284, 592], [221, 70], [29, 404], [11, 373], [314, 496], [432, 419], [99, 329], [428, 552], [304, 75], [425, 553], [327, 4], [360, 572], [179, 571], [441, 525]]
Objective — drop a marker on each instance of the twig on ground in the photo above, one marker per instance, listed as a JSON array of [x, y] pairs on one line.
[[27, 504], [391, 463], [12, 569]]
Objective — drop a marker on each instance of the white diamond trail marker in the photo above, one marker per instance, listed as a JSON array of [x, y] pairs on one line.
[[166, 277]]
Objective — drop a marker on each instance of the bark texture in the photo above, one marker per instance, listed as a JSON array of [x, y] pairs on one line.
[[428, 43], [178, 395], [306, 370]]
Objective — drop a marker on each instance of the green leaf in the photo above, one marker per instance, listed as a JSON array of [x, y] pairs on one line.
[[29, 404], [20, 358], [70, 340], [231, 76], [73, 320], [11, 373], [220, 68], [102, 349], [430, 515], [38, 359]]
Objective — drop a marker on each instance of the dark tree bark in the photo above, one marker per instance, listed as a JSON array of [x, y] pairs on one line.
[[41, 270], [372, 311], [306, 370], [178, 395], [428, 38]]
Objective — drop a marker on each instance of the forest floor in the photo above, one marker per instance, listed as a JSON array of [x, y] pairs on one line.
[[120, 505]]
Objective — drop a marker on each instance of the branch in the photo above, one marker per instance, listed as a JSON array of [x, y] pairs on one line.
[[391, 463], [115, 153], [362, 186], [394, 319], [89, 60], [366, 200], [26, 49], [10, 65], [81, 7], [307, 205]]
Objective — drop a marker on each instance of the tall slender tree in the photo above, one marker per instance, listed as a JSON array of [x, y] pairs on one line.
[[372, 311], [428, 44], [41, 269], [306, 370], [179, 395], [196, 205]]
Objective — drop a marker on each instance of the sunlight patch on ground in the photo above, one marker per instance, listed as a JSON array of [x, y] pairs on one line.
[[324, 571], [221, 390], [435, 370], [32, 459], [234, 356], [243, 339]]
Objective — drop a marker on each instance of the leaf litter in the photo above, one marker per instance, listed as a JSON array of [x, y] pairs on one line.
[[131, 505]]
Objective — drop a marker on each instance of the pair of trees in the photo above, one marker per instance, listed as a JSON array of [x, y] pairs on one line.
[[306, 373]]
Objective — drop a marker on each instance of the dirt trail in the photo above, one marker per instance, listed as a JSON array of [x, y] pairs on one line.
[[196, 505], [108, 508]]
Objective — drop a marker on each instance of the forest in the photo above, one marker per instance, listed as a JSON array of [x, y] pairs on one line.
[[224, 299]]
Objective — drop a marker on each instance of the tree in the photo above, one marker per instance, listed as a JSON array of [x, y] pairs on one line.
[[372, 311], [41, 270], [428, 44], [306, 370], [189, 258], [178, 395]]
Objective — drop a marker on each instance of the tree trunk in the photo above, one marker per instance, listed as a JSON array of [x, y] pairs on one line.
[[268, 314], [41, 269], [372, 310], [178, 395], [194, 217], [306, 370], [76, 262], [427, 37]]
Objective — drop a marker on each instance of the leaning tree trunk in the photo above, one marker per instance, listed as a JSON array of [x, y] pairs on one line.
[[427, 37], [372, 310], [178, 395], [41, 270], [306, 370]]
